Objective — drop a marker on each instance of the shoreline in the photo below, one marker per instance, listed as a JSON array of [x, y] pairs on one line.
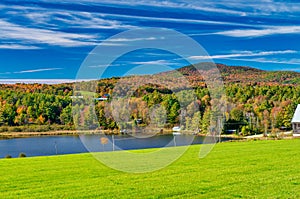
[[92, 132], [45, 133], [11, 135], [117, 132]]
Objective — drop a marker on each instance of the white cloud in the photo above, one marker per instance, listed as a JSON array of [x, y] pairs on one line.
[[260, 8], [10, 31], [156, 62], [261, 32], [200, 7], [87, 20], [178, 20], [32, 81], [58, 18], [104, 65], [273, 60], [243, 54], [131, 39], [236, 8], [192, 5], [61, 18], [125, 41], [18, 46], [38, 70]]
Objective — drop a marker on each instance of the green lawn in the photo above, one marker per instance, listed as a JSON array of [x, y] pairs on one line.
[[254, 169]]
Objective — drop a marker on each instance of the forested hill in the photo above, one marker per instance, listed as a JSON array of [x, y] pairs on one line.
[[244, 74], [258, 101]]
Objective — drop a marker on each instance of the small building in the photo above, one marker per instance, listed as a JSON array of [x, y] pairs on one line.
[[296, 120], [139, 121], [176, 128], [103, 98]]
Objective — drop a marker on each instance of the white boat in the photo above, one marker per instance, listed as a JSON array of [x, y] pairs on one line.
[[123, 131], [176, 128]]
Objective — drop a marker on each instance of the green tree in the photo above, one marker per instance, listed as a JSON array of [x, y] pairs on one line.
[[174, 113], [206, 120], [90, 120], [66, 115], [30, 114], [9, 114], [2, 118], [237, 115]]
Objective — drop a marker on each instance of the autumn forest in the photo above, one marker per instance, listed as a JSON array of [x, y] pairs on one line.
[[257, 102]]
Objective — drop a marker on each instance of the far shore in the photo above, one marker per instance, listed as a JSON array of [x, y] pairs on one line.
[[8, 135], [68, 132], [95, 132]]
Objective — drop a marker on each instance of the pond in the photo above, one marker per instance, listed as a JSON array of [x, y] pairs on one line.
[[55, 145]]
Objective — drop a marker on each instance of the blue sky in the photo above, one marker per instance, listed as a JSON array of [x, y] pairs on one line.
[[50, 39]]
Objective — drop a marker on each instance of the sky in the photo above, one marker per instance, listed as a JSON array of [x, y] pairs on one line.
[[50, 39]]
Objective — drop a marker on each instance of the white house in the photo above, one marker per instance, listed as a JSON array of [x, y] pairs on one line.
[[296, 120], [176, 128], [101, 98]]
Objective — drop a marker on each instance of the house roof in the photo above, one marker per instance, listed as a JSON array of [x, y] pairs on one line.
[[296, 117]]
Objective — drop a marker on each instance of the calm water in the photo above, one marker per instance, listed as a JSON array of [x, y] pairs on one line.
[[52, 145]]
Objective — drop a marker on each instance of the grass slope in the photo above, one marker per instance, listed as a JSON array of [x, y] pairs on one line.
[[255, 169]]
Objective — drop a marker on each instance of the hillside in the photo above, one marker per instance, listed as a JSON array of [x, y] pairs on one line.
[[243, 74], [268, 98]]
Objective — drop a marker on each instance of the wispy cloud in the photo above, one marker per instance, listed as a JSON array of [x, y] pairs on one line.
[[224, 7], [272, 60], [263, 7], [38, 70], [178, 20], [125, 41], [84, 20], [10, 31], [155, 62], [132, 39], [273, 30], [18, 47], [104, 65], [32, 81], [61, 18], [243, 54], [200, 6]]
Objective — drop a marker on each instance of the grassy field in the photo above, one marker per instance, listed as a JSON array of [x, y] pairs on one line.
[[254, 169]]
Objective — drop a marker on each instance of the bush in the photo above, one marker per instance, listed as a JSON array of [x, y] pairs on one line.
[[8, 156], [3, 129], [36, 128], [245, 131], [22, 155]]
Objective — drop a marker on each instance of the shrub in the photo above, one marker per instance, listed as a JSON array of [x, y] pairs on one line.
[[8, 156], [3, 129], [22, 155]]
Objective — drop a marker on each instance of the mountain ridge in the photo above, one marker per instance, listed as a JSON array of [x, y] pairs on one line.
[[242, 74], [229, 74]]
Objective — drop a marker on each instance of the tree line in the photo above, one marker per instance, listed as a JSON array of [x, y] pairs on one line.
[[250, 108]]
